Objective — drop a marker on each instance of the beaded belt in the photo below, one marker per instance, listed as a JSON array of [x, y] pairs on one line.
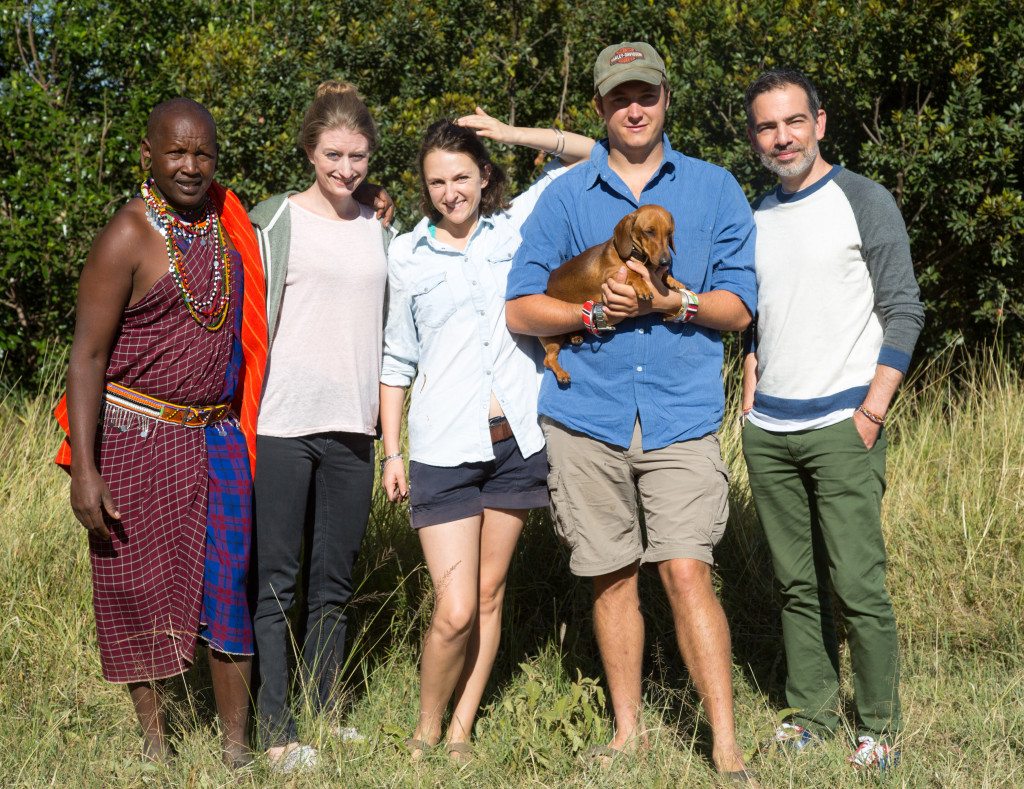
[[500, 429], [184, 415]]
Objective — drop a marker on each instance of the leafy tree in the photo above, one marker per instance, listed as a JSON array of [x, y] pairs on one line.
[[924, 97]]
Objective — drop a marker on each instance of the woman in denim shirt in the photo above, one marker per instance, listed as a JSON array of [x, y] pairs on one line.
[[477, 460]]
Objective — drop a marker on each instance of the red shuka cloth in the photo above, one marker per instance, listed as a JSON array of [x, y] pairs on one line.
[[235, 222]]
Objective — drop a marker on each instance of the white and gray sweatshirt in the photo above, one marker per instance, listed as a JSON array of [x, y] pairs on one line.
[[836, 297]]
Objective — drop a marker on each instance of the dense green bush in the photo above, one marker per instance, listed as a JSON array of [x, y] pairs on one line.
[[925, 97]]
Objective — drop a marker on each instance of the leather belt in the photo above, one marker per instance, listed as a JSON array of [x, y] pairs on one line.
[[500, 429], [184, 415]]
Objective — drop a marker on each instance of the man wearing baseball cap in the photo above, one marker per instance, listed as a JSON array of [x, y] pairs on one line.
[[639, 418]]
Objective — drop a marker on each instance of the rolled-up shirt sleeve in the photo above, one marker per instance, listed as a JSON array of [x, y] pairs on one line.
[[732, 251], [545, 246], [401, 348]]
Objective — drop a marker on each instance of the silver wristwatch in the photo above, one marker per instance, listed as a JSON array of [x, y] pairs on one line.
[[600, 319]]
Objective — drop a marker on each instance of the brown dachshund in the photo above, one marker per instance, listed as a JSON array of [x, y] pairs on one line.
[[644, 235]]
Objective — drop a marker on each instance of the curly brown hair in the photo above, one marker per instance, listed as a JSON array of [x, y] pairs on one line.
[[446, 135]]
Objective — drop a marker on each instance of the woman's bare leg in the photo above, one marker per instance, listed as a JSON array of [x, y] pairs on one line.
[[452, 551], [498, 538]]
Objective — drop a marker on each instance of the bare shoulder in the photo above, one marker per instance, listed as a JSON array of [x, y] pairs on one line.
[[124, 239]]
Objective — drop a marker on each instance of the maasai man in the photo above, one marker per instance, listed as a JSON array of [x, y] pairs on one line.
[[160, 473]]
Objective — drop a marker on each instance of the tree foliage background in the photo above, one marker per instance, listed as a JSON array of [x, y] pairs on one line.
[[925, 97]]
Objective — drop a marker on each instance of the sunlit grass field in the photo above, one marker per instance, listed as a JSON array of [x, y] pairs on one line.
[[954, 520]]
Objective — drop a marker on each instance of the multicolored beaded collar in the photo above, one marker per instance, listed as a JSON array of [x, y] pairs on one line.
[[210, 312]]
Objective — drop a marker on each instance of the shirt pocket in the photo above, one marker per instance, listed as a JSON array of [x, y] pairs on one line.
[[432, 301], [498, 266]]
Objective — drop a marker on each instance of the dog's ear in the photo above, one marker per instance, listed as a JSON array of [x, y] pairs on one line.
[[623, 237]]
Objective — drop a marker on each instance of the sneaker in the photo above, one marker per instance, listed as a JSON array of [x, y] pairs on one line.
[[792, 737], [348, 734], [873, 755], [301, 757]]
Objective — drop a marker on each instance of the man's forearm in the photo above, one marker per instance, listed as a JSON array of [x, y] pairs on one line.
[[540, 315], [883, 386], [722, 310]]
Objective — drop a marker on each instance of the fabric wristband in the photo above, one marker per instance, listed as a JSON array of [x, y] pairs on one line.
[[687, 309], [588, 317]]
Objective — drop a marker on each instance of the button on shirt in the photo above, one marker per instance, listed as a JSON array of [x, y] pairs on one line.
[[446, 329], [668, 374]]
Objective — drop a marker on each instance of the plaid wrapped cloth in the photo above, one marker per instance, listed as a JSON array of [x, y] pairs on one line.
[[178, 557], [226, 625]]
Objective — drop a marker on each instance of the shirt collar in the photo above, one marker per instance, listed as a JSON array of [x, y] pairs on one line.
[[600, 169], [423, 233]]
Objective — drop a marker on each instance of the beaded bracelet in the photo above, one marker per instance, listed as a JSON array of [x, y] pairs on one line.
[[388, 458], [871, 416]]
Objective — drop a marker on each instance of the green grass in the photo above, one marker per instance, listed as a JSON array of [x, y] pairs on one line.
[[954, 519]]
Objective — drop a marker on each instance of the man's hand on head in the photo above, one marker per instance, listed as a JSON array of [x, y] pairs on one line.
[[377, 198]]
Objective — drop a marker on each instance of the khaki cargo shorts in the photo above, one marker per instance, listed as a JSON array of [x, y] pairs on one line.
[[683, 489]]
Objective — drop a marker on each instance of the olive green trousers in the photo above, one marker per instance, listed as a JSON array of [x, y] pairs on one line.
[[818, 494]]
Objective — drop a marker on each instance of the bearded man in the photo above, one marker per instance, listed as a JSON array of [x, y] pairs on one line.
[[161, 477], [838, 315]]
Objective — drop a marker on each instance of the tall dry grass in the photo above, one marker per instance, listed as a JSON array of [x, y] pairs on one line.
[[954, 520]]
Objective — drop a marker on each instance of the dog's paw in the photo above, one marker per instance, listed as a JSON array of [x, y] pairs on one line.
[[563, 377], [576, 339]]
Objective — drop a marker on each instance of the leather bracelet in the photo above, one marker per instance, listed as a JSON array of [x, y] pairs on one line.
[[871, 416]]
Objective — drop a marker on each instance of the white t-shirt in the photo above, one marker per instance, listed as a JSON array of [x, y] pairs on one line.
[[324, 366]]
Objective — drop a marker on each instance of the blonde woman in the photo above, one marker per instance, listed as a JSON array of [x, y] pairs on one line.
[[324, 254]]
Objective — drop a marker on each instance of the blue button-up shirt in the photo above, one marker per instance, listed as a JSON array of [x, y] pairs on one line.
[[670, 374]]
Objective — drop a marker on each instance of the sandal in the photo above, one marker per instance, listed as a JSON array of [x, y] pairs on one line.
[[602, 755], [462, 750], [741, 778], [414, 744]]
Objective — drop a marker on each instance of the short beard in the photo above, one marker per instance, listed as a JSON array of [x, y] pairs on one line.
[[792, 169]]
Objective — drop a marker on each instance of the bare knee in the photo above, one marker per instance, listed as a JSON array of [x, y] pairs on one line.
[[491, 598], [686, 578], [618, 589], [453, 620]]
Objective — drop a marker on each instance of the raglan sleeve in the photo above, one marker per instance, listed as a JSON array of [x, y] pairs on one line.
[[885, 247]]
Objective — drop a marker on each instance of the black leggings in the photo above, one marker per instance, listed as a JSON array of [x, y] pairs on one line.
[[317, 488]]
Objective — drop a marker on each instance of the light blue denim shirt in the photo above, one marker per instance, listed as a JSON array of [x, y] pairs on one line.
[[446, 331]]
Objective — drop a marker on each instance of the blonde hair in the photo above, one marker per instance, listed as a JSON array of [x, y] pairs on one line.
[[336, 105]]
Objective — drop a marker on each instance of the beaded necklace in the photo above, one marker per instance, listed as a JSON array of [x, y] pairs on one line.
[[210, 312]]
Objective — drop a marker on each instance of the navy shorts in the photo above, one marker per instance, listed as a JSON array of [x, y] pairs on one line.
[[442, 494]]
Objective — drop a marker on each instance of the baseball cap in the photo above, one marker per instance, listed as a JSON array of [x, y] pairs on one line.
[[625, 62]]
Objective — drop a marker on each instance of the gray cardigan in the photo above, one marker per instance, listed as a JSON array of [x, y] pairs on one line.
[[271, 220]]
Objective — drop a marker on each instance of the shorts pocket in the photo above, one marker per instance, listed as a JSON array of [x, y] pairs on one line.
[[717, 497], [432, 301], [562, 516]]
